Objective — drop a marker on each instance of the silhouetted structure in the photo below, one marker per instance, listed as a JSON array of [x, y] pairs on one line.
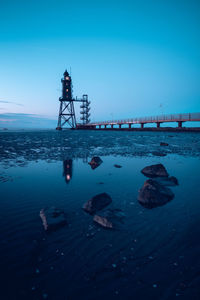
[[158, 120], [66, 111], [67, 114], [85, 108]]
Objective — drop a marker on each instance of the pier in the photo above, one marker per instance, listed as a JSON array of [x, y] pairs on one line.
[[67, 115], [128, 124]]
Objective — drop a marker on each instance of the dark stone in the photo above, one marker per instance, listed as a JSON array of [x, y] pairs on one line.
[[153, 194], [117, 166], [155, 171], [98, 202], [52, 218], [158, 153], [164, 144], [95, 162], [103, 221], [167, 181]]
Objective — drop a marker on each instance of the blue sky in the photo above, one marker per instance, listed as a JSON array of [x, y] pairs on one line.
[[133, 58]]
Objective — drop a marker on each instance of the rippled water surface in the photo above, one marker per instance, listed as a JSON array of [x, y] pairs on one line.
[[151, 254]]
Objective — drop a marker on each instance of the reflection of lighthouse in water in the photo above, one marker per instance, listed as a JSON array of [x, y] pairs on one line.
[[67, 169]]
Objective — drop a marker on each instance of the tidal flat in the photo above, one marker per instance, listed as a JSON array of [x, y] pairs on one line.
[[150, 252]]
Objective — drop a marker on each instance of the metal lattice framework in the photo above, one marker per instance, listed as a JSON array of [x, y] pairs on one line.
[[67, 116], [85, 108], [66, 111]]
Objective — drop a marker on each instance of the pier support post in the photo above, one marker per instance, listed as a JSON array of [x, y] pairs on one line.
[[180, 124], [158, 124], [142, 125], [120, 126], [111, 126], [129, 126], [105, 126]]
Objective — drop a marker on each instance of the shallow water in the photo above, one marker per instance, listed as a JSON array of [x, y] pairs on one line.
[[152, 254]]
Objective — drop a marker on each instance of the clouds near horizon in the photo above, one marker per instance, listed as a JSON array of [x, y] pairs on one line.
[[20, 120]]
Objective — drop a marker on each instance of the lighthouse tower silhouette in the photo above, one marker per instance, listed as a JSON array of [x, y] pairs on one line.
[[66, 110]]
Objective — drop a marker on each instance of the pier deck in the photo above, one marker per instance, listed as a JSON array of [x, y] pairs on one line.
[[128, 124]]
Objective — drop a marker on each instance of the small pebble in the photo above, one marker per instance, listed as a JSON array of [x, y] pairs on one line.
[[45, 296], [37, 271], [155, 285], [114, 265]]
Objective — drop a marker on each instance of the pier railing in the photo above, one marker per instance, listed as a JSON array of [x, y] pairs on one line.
[[153, 119]]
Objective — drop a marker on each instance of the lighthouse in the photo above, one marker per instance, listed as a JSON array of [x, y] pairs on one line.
[[66, 110], [67, 117]]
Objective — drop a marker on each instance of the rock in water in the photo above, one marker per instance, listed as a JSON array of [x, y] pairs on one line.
[[153, 194], [117, 166], [164, 144], [95, 162], [103, 221], [155, 171], [98, 202], [52, 218], [167, 181]]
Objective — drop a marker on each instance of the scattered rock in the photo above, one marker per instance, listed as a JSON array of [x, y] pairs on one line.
[[155, 171], [158, 153], [117, 166], [98, 202], [103, 221], [114, 216], [164, 144], [95, 162], [153, 194], [52, 218], [167, 181]]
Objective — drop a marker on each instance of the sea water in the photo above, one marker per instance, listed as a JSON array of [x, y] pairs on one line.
[[151, 254]]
